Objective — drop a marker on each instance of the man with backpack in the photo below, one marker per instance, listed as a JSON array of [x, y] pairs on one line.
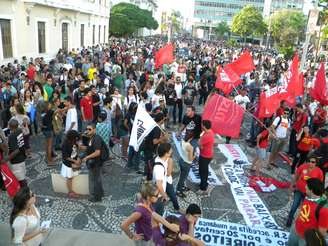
[[279, 129], [313, 214], [97, 153], [159, 175]]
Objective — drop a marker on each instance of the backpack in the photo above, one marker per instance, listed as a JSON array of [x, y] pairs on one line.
[[151, 166], [279, 122]]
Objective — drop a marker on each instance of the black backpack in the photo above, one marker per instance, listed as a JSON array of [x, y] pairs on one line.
[[151, 166]]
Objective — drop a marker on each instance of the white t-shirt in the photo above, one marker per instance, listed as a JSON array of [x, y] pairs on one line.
[[178, 90], [242, 100], [71, 117], [281, 130], [159, 172]]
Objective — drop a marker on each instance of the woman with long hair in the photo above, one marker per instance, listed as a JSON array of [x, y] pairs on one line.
[[24, 124], [25, 219], [144, 216], [131, 97], [71, 159], [30, 109]]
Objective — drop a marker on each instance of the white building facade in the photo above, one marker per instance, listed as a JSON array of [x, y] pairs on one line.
[[35, 28]]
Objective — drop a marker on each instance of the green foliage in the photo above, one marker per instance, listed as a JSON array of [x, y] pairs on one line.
[[287, 26], [288, 52], [176, 20], [126, 18], [248, 22], [221, 29], [232, 43]]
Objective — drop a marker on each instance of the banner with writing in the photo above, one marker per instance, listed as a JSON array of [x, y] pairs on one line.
[[214, 233], [249, 204], [194, 169]]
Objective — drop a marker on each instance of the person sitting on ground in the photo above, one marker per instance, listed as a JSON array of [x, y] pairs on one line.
[[25, 219], [172, 238], [71, 160]]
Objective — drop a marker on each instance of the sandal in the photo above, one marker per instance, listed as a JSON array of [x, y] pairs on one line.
[[72, 195], [181, 194]]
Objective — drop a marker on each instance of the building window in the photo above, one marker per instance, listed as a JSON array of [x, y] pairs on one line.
[[42, 37], [82, 35], [65, 36], [93, 34], [7, 48], [105, 34], [99, 31]]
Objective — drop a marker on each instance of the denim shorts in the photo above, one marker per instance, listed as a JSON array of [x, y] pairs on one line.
[[261, 153], [48, 134]]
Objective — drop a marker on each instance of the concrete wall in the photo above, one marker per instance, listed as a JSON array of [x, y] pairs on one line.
[[25, 37]]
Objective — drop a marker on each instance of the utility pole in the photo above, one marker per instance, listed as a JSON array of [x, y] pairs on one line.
[[311, 25]]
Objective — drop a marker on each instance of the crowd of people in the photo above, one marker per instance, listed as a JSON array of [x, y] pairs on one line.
[[84, 102]]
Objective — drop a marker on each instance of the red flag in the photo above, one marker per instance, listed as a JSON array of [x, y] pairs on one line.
[[269, 102], [225, 115], [319, 90], [243, 64], [164, 55], [227, 80], [9, 179]]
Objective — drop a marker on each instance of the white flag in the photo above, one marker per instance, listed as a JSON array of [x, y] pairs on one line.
[[142, 125]]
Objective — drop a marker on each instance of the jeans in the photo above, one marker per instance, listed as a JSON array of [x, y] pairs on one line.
[[171, 194], [58, 140], [202, 98], [299, 159], [170, 109], [184, 171], [203, 172], [294, 239], [133, 159], [95, 181], [79, 120], [148, 159], [292, 142], [298, 199], [178, 103]]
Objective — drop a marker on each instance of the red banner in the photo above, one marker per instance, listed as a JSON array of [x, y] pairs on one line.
[[243, 64], [319, 90], [227, 80], [225, 115], [164, 55], [10, 181]]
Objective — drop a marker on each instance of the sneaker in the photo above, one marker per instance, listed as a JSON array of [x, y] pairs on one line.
[[93, 199]]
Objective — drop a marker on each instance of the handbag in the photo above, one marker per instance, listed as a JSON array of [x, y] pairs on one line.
[[11, 183]]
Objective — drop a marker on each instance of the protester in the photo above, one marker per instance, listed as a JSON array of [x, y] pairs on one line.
[[313, 214], [16, 153], [206, 144], [93, 159], [47, 130], [188, 155], [71, 160], [25, 219], [303, 173]]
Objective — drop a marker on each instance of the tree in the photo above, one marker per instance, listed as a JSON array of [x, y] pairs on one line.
[[126, 18], [287, 27], [221, 29], [176, 20], [248, 22]]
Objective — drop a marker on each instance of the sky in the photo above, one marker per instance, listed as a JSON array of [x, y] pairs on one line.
[[184, 6]]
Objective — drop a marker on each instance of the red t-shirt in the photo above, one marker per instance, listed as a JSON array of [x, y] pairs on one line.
[[307, 220], [31, 72], [301, 119], [206, 143], [320, 116], [304, 174], [86, 105], [306, 143], [264, 139]]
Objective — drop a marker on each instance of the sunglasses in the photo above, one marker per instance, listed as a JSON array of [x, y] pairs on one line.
[[313, 161], [89, 129]]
